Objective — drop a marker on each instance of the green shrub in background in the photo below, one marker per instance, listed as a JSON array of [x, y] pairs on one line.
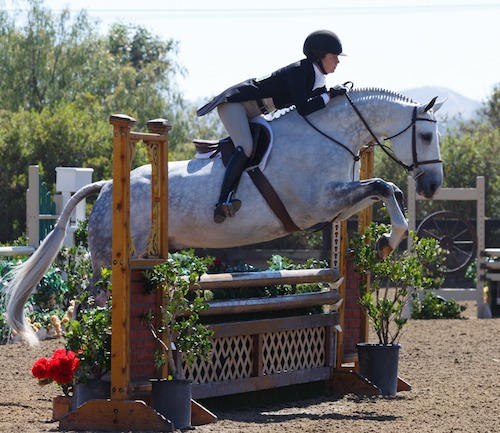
[[5, 267], [66, 280], [76, 266], [4, 329], [90, 335], [435, 307]]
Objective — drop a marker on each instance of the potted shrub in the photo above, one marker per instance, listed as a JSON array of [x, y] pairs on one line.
[[179, 331], [385, 292], [89, 335]]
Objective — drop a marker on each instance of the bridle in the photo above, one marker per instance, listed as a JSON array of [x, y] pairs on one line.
[[387, 150]]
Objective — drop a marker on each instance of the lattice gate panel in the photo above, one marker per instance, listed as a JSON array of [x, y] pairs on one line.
[[292, 350], [231, 359]]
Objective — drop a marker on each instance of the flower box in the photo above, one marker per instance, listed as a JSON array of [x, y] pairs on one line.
[[61, 406]]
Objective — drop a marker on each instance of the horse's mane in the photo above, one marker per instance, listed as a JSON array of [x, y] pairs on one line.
[[384, 93], [358, 94]]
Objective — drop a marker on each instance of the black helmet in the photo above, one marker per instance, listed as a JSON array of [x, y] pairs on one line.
[[322, 42]]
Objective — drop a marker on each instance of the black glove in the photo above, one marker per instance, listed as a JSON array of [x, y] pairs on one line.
[[337, 90]]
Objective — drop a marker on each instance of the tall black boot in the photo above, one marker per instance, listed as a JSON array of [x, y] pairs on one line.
[[227, 206]]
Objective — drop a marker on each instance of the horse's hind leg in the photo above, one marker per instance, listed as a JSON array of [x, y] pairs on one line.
[[353, 197]]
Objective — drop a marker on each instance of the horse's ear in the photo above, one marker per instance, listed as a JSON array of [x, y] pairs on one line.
[[432, 104], [438, 105]]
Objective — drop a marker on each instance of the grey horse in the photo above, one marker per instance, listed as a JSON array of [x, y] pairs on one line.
[[313, 166]]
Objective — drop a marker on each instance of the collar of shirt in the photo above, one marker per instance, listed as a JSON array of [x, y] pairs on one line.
[[319, 78]]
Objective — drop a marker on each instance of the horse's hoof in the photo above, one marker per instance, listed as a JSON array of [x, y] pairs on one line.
[[382, 248]]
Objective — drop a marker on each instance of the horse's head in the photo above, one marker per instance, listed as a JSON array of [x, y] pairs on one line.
[[422, 158]]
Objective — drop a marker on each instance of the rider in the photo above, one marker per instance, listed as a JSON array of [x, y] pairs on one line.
[[301, 84]]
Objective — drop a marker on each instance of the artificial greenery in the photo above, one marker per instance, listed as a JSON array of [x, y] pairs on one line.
[[276, 263], [387, 284], [180, 328], [279, 263], [435, 307]]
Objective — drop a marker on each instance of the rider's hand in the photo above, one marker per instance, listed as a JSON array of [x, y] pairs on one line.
[[337, 90]]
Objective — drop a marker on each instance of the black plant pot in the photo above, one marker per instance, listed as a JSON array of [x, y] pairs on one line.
[[95, 389], [172, 399], [378, 363]]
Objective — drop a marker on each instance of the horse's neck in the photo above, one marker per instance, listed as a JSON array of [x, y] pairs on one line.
[[386, 112]]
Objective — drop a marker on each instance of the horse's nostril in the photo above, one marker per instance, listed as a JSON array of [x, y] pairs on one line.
[[431, 190]]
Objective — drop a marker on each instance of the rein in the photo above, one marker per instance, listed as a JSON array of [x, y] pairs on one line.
[[409, 168]]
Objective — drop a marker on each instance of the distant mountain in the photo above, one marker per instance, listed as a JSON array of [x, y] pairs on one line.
[[455, 105]]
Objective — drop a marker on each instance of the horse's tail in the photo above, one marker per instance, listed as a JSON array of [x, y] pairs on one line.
[[27, 275]]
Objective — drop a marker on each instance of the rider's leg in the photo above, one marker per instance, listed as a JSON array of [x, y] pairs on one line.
[[227, 205], [235, 119]]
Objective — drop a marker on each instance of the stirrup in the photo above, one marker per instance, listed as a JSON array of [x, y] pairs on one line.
[[225, 210]]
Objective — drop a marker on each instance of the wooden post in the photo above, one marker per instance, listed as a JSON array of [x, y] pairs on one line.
[[120, 413], [158, 154], [121, 252], [340, 245], [33, 206], [476, 194], [365, 218], [482, 307]]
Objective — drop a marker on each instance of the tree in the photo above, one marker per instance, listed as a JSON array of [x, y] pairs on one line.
[[59, 82], [47, 58], [491, 108]]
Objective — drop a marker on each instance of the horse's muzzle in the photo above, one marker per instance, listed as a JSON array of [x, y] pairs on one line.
[[427, 187]]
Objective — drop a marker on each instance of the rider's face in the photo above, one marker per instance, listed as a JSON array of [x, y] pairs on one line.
[[330, 62]]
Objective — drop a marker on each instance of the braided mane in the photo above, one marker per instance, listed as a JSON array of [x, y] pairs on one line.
[[371, 92], [386, 94]]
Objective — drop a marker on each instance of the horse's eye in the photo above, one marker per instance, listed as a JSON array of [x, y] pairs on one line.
[[426, 136]]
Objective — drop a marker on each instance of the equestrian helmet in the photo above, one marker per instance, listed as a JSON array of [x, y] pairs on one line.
[[322, 41]]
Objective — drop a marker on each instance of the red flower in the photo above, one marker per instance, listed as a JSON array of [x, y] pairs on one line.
[[60, 368], [40, 368]]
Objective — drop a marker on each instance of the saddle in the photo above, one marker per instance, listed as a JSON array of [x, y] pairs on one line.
[[225, 146], [262, 141]]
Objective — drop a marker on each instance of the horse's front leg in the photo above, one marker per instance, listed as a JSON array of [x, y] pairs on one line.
[[351, 198]]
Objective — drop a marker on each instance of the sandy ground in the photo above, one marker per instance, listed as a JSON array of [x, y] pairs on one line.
[[452, 365]]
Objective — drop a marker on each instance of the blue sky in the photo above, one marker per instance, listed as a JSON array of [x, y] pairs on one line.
[[396, 45]]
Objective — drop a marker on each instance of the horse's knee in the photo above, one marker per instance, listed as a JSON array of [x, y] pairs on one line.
[[382, 188]]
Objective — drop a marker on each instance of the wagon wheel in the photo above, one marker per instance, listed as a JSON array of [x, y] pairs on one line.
[[454, 234]]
